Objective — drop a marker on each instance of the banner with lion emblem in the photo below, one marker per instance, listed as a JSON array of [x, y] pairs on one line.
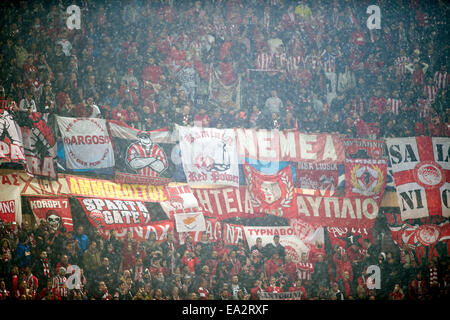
[[272, 194]]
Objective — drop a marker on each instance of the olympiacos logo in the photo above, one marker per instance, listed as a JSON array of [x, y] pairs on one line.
[[429, 174]]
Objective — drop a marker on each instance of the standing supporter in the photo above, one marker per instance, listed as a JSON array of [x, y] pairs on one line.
[[59, 285], [417, 288], [396, 293], [235, 287], [22, 252], [305, 270], [190, 260], [273, 286], [297, 286], [273, 265], [256, 289], [82, 240], [271, 248], [346, 285], [91, 260], [290, 268]]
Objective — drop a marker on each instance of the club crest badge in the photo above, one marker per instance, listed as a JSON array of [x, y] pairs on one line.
[[272, 194]]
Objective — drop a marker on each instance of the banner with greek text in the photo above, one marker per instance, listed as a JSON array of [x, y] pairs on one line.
[[213, 232], [209, 156], [87, 144], [363, 148], [338, 211], [346, 237], [274, 145], [294, 295], [317, 179], [160, 228], [233, 234], [225, 203], [55, 211], [88, 187], [293, 245]]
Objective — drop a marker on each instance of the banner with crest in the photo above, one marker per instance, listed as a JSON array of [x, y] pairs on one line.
[[209, 156], [272, 194], [365, 177]]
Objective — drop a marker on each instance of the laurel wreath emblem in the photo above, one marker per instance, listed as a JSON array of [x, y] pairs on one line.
[[357, 185], [285, 202]]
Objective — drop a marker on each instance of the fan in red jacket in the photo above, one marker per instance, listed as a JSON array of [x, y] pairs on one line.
[[290, 268], [273, 287], [273, 264], [190, 260], [298, 286]]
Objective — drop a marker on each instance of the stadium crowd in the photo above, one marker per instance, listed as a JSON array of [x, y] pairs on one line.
[[36, 264], [313, 66]]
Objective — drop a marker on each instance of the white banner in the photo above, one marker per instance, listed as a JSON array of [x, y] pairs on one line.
[[209, 156], [87, 144], [181, 199], [188, 222], [292, 244], [295, 295]]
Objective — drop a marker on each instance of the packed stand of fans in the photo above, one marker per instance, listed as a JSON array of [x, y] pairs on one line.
[[313, 66], [36, 264]]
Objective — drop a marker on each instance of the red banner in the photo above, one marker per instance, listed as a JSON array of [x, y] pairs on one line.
[[225, 203], [180, 200], [272, 194], [160, 228], [337, 211], [115, 214], [365, 177], [274, 145], [419, 235], [345, 237], [56, 212], [232, 234], [8, 211], [363, 148], [317, 179]]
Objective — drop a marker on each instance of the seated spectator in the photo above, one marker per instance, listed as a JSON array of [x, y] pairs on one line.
[[298, 286], [132, 117], [27, 104], [201, 118], [397, 293]]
